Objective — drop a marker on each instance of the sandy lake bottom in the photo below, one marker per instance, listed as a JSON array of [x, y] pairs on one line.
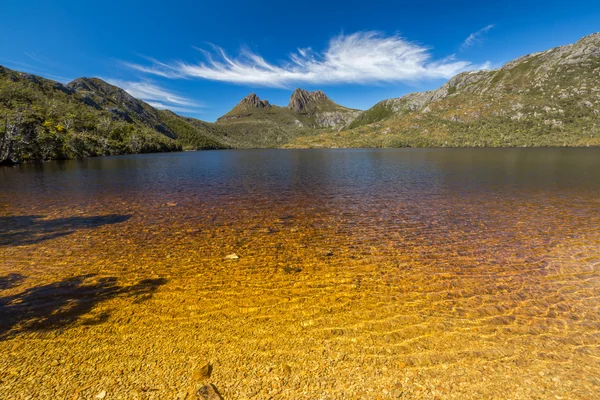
[[361, 275]]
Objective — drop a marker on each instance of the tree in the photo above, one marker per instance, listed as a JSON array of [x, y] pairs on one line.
[[9, 137]]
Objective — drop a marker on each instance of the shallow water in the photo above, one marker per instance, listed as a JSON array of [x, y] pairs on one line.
[[429, 273]]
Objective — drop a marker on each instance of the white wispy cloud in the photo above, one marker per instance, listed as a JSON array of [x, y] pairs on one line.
[[33, 57], [475, 37], [363, 57], [156, 96]]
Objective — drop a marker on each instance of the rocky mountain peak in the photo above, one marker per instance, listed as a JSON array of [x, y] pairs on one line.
[[253, 101], [594, 37], [246, 107], [301, 99], [319, 95]]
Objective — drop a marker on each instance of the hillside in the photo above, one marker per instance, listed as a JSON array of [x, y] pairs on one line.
[[42, 120], [550, 98], [256, 123]]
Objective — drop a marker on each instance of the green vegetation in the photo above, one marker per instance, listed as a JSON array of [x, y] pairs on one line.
[[193, 134], [254, 123], [545, 99], [42, 120], [264, 127], [376, 113]]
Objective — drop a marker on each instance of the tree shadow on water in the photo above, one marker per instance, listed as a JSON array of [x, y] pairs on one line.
[[10, 280], [32, 229], [61, 304]]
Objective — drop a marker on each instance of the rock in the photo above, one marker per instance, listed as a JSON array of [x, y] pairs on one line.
[[291, 270], [287, 370], [247, 104], [253, 101], [232, 256], [209, 392], [203, 372], [301, 99], [101, 395], [336, 119], [246, 107]]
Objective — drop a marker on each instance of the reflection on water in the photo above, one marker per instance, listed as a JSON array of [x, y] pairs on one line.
[[467, 273]]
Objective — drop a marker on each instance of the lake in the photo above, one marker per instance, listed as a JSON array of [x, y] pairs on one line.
[[361, 273]]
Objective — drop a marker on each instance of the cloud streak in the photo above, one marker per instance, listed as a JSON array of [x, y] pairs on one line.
[[363, 57], [156, 96], [475, 37]]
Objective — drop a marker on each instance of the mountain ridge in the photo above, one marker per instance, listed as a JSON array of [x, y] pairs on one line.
[[256, 123], [548, 98], [301, 102]]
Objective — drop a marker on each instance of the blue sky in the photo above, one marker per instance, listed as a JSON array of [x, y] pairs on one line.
[[199, 58]]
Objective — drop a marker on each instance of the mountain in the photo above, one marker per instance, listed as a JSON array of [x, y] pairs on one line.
[[551, 98], [256, 123], [245, 107], [41, 120]]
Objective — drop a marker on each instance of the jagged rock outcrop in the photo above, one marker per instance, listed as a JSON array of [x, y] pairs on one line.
[[255, 123], [336, 119], [253, 101], [306, 110], [302, 100], [246, 107]]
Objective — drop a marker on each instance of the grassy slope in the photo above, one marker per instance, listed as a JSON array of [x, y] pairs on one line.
[[264, 127], [41, 120], [194, 134], [546, 99], [188, 134], [275, 126]]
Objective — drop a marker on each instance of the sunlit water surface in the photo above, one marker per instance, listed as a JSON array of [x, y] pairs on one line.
[[463, 273]]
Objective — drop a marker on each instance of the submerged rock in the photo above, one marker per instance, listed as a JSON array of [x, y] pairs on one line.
[[291, 270], [286, 369], [203, 372], [209, 392]]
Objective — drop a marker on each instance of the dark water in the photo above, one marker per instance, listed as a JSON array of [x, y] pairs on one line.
[[277, 174]]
